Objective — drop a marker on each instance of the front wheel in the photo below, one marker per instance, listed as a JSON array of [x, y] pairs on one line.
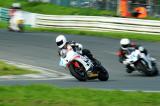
[[78, 71], [103, 74]]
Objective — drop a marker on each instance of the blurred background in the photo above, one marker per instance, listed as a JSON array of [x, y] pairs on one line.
[[124, 8]]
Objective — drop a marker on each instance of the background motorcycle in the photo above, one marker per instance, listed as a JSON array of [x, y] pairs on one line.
[[143, 63], [16, 22], [82, 68]]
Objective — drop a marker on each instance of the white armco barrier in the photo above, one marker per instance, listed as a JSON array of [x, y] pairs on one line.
[[98, 23]]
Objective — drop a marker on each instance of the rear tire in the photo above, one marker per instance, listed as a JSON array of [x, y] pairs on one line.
[[103, 74], [147, 71], [80, 75], [156, 71]]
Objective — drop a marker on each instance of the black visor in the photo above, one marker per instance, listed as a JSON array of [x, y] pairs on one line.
[[60, 43], [125, 46]]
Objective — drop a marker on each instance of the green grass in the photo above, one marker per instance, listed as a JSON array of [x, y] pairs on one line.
[[7, 69], [47, 95], [48, 8], [3, 24], [153, 18]]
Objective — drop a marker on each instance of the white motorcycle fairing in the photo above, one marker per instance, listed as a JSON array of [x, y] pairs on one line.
[[71, 55], [81, 67], [136, 54]]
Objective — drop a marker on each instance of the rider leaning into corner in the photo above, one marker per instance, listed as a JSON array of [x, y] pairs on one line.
[[16, 16], [65, 45], [125, 46]]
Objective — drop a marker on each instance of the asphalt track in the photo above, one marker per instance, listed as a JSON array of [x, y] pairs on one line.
[[39, 49]]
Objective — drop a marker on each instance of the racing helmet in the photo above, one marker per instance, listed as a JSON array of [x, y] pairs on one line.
[[61, 41], [16, 5], [124, 42]]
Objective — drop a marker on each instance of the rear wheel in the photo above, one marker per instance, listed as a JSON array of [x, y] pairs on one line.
[[148, 72], [156, 71], [79, 71], [103, 74]]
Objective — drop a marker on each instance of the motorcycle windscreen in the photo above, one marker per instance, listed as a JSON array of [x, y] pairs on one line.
[[62, 62]]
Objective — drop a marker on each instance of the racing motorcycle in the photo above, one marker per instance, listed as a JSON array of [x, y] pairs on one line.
[[16, 22], [143, 63], [82, 68]]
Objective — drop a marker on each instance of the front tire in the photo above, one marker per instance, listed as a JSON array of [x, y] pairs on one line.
[[79, 73]]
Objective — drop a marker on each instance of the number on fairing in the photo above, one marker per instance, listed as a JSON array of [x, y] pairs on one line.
[[87, 61]]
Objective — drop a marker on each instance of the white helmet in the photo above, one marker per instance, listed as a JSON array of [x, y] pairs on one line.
[[16, 5], [125, 42], [61, 41]]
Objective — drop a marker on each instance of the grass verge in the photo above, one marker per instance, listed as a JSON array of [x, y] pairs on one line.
[[110, 34], [7, 69], [47, 95], [3, 24], [49, 8], [52, 9]]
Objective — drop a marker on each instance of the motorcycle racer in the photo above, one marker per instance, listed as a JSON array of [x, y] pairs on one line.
[[16, 17], [65, 46], [80, 62], [126, 47]]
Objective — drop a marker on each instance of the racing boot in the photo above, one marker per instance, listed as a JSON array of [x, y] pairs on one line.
[[95, 62], [87, 53]]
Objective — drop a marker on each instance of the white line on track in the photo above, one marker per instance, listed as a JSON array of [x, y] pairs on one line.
[[45, 74], [45, 70], [126, 90]]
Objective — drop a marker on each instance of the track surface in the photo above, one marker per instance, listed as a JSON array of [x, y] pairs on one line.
[[39, 49]]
